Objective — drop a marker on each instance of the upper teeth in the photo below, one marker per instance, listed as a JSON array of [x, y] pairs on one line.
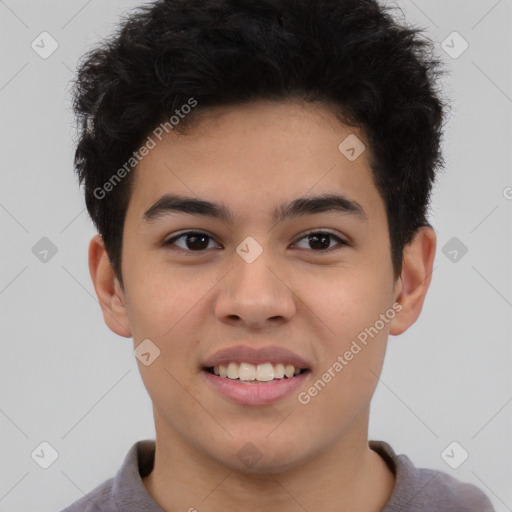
[[262, 372]]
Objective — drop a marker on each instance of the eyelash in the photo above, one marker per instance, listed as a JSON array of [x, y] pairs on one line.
[[168, 243]]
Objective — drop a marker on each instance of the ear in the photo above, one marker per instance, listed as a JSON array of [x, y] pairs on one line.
[[108, 290], [414, 281]]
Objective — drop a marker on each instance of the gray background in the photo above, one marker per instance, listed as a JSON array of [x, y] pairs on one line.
[[67, 380]]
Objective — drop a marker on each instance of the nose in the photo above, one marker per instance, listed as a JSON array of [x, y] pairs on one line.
[[254, 295]]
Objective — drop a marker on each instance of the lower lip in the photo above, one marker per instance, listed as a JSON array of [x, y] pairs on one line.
[[248, 393]]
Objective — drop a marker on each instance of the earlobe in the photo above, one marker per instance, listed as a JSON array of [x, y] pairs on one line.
[[414, 281], [108, 290]]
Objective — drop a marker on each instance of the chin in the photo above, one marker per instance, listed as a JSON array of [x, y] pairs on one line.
[[260, 455]]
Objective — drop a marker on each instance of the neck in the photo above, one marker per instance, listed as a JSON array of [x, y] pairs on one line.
[[348, 477]]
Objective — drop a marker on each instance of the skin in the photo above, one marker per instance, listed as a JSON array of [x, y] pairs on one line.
[[253, 158]]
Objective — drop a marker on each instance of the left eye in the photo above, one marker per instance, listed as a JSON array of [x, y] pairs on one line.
[[197, 241], [320, 239]]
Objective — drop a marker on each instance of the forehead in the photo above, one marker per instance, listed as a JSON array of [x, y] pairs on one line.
[[257, 157]]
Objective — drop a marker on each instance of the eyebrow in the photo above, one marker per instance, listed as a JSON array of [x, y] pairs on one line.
[[305, 205]]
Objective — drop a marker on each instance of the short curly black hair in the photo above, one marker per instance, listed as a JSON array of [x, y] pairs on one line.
[[352, 55]]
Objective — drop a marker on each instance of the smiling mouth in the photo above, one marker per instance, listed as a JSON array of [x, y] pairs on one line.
[[257, 374]]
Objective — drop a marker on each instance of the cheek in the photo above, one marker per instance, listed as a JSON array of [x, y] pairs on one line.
[[167, 306], [345, 299], [162, 297], [352, 335]]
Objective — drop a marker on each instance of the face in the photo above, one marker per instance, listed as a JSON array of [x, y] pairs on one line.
[[311, 281]]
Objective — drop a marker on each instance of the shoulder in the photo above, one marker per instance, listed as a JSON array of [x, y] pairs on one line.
[[125, 491], [441, 491], [99, 499], [423, 489]]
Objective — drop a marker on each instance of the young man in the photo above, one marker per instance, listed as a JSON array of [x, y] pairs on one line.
[[259, 173]]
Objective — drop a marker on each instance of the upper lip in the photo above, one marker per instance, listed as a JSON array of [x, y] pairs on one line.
[[244, 354]]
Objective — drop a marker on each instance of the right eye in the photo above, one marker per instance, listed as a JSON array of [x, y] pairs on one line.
[[194, 241]]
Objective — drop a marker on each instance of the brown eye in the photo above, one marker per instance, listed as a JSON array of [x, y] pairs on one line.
[[320, 241], [193, 241]]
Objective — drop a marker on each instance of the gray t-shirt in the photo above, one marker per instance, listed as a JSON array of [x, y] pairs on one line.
[[416, 489]]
